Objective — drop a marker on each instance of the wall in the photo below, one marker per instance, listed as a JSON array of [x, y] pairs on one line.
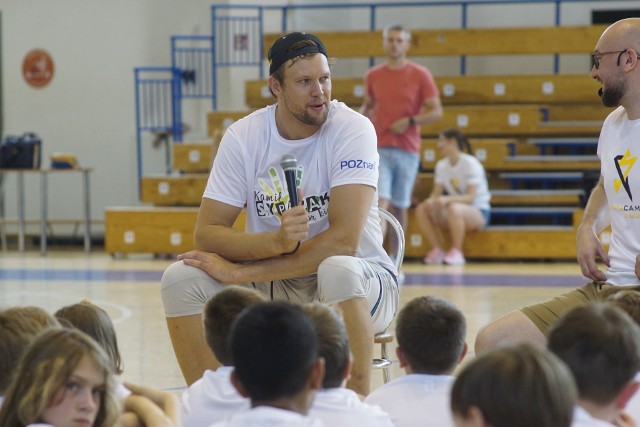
[[88, 108]]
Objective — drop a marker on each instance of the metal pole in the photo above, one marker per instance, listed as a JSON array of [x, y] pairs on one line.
[[21, 209], [87, 210], [44, 201], [137, 88], [3, 225]]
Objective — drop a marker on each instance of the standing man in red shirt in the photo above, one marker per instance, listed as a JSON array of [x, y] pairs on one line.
[[400, 95]]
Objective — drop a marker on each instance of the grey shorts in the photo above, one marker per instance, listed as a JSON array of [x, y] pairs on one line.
[[544, 314], [186, 289]]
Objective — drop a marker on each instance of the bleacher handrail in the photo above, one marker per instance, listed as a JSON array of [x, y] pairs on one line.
[[374, 6], [196, 65], [158, 109]]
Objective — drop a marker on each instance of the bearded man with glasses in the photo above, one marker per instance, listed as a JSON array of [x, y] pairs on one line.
[[611, 98], [615, 200]]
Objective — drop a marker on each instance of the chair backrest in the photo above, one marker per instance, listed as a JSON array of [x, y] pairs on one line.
[[397, 228]]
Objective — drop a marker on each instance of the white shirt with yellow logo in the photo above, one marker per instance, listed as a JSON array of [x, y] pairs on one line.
[[619, 150]]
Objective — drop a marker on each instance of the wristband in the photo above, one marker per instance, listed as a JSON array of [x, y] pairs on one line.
[[412, 121], [293, 251]]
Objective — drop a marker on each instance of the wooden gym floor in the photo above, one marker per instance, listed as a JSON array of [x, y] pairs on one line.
[[129, 290]]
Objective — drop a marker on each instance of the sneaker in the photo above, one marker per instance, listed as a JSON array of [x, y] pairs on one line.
[[454, 257], [435, 256]]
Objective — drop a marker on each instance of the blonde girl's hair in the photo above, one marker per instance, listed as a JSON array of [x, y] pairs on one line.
[[45, 368]]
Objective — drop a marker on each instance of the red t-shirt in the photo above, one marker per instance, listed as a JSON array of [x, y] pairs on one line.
[[397, 94]]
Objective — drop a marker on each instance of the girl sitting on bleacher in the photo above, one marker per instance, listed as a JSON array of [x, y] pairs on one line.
[[459, 200]]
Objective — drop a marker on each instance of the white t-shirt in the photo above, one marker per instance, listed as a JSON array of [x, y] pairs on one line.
[[467, 171], [267, 416], [212, 398], [416, 400], [343, 407], [618, 150], [246, 171], [581, 418]]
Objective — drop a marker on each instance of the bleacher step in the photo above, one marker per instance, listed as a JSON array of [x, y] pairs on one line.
[[165, 230], [530, 198], [553, 158], [193, 157], [505, 242], [157, 230], [173, 190]]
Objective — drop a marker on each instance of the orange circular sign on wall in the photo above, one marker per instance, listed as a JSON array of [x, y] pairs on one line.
[[37, 68]]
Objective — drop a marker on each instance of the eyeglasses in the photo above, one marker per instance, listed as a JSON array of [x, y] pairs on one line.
[[595, 57]]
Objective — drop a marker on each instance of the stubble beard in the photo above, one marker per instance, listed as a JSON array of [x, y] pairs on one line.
[[305, 117], [611, 95]]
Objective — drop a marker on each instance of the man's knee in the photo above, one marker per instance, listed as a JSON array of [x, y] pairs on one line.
[[185, 289], [340, 279], [344, 278], [513, 327]]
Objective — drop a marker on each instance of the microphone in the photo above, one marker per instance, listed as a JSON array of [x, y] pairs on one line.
[[289, 165]]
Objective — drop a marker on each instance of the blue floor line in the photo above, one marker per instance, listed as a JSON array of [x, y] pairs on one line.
[[510, 280], [81, 275], [411, 279]]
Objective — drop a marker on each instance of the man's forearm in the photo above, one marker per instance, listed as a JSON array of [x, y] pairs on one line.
[[595, 214], [303, 262], [428, 117], [236, 245], [215, 233]]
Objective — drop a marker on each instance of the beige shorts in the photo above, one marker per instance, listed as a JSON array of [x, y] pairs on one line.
[[544, 314], [186, 289]]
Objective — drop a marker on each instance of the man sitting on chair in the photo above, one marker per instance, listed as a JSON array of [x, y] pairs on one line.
[[328, 248]]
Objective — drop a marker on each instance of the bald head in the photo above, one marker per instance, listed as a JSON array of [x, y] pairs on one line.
[[625, 34]]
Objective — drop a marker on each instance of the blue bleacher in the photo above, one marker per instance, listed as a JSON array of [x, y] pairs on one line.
[[571, 146], [540, 216], [544, 180]]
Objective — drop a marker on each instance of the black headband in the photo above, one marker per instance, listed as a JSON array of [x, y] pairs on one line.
[[281, 50]]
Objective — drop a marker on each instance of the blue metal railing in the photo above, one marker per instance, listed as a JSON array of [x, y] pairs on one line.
[[238, 39], [217, 11], [158, 105], [193, 55]]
